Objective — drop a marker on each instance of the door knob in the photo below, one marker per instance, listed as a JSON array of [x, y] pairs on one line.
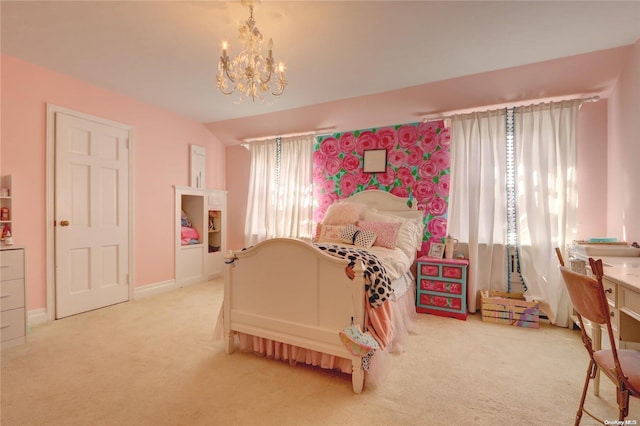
[[64, 223]]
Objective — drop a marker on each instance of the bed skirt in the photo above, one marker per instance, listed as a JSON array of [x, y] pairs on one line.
[[403, 317]]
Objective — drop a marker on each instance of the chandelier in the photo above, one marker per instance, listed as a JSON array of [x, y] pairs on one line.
[[250, 73]]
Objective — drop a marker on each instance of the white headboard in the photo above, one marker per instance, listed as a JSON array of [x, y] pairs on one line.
[[385, 202]]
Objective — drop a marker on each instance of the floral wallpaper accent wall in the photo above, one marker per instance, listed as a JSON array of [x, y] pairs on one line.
[[417, 167]]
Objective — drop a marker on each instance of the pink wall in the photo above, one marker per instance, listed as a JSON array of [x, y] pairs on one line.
[[587, 73], [623, 214], [161, 154], [592, 170], [238, 169]]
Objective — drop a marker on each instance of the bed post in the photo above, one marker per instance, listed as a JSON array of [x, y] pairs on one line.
[[357, 375], [360, 315], [229, 264]]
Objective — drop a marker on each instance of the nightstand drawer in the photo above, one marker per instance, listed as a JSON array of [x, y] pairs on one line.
[[11, 264], [438, 301], [429, 270], [11, 294], [12, 324], [441, 286], [454, 272]]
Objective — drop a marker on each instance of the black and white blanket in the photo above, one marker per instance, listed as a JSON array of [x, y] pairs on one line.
[[377, 282]]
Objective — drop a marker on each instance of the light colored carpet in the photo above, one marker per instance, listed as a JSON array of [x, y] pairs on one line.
[[154, 362]]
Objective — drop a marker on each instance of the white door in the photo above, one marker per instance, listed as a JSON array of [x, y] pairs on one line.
[[91, 214]]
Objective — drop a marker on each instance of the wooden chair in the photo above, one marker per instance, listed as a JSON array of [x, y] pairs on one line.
[[559, 254], [622, 366]]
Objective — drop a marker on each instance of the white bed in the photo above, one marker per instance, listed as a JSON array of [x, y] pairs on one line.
[[288, 299]]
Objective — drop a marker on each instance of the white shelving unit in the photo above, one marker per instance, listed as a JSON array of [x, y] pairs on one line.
[[206, 209], [6, 209], [217, 232]]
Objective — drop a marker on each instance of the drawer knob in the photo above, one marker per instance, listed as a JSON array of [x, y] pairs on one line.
[[64, 223], [613, 314], [608, 290]]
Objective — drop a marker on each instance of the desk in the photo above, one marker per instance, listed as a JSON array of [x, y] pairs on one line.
[[621, 282], [625, 284]]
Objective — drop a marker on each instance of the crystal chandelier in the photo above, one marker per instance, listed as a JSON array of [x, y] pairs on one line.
[[250, 73]]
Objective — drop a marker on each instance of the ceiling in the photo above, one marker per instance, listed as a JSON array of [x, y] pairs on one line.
[[165, 53]]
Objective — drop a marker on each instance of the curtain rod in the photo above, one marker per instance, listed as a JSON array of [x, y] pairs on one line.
[[449, 114], [289, 135]]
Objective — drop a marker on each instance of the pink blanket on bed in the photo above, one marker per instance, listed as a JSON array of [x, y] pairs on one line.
[[380, 323]]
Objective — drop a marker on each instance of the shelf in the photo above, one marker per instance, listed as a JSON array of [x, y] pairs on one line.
[[206, 211], [191, 245]]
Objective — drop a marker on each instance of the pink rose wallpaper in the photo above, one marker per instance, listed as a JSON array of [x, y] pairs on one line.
[[417, 167]]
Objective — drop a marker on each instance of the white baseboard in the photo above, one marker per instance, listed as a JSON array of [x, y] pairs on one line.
[[37, 317], [153, 289], [40, 315]]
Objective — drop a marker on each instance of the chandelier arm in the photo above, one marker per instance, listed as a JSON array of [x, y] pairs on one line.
[[230, 92], [281, 86], [226, 72], [268, 79]]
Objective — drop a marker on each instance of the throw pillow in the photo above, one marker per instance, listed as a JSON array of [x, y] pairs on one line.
[[387, 232], [343, 213], [361, 238]]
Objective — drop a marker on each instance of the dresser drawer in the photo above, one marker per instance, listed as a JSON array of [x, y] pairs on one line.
[[441, 286], [11, 264], [630, 302], [11, 294], [12, 324]]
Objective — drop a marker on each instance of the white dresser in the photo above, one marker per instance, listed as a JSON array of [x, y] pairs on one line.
[[12, 297]]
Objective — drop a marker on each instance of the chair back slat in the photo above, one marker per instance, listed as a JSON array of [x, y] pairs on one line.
[[587, 295]]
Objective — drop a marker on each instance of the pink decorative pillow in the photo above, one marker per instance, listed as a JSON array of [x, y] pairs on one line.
[[329, 233], [344, 213], [387, 232]]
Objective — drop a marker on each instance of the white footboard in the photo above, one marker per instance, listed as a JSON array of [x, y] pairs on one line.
[[289, 291]]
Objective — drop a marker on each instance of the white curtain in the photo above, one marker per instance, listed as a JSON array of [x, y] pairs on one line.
[[477, 198], [279, 202], [545, 154]]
